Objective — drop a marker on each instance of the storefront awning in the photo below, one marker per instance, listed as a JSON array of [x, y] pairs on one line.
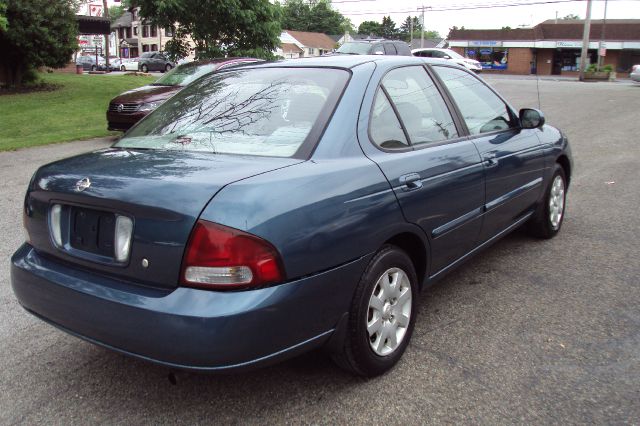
[[93, 25]]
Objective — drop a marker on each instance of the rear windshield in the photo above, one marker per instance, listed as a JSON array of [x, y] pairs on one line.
[[354, 48], [263, 111], [184, 74]]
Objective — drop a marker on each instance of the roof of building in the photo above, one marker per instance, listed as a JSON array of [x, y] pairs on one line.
[[290, 48], [416, 43], [316, 40], [93, 24], [123, 21], [615, 29]]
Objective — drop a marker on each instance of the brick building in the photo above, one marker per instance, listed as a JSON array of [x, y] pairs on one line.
[[551, 47]]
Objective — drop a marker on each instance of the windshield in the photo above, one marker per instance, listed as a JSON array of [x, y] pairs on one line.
[[184, 74], [354, 48], [454, 54], [263, 111]]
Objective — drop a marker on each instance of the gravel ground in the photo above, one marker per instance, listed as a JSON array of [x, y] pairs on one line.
[[527, 332]]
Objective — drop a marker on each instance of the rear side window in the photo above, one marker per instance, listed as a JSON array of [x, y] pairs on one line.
[[377, 49], [390, 49], [422, 111], [385, 129], [403, 49], [482, 110], [261, 111]]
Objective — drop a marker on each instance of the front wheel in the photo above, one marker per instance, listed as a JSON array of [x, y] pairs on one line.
[[382, 314], [93, 67], [547, 219], [123, 68], [167, 68]]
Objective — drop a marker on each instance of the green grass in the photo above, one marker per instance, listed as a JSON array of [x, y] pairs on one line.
[[75, 111]]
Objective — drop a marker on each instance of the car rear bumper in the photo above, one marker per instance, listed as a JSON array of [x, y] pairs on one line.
[[186, 328], [122, 121]]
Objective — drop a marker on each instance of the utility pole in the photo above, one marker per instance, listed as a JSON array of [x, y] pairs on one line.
[[105, 13], [601, 45], [411, 33], [585, 41], [423, 8]]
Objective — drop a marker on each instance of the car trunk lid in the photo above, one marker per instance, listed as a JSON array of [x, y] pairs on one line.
[[163, 192]]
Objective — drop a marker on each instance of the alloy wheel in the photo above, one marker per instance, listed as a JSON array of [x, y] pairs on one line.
[[389, 311], [556, 202]]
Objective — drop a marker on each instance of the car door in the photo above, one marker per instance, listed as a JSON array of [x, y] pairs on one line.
[[513, 157], [437, 175]]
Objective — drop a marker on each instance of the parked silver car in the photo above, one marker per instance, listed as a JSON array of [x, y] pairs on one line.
[[635, 73]]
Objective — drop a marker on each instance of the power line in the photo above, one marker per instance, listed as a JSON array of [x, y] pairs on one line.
[[443, 8]]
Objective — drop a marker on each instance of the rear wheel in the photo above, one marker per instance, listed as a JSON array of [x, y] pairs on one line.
[[122, 68], [93, 67], [547, 219], [168, 67], [382, 315], [144, 68]]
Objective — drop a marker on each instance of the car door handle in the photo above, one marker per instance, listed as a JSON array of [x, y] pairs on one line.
[[411, 182], [490, 159]]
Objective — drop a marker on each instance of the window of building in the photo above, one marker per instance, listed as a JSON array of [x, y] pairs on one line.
[[145, 47], [135, 30], [145, 31], [154, 31], [154, 47], [168, 32], [482, 110], [312, 51], [496, 58], [128, 32]]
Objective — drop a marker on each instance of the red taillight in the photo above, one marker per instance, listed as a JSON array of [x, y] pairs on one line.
[[219, 257]]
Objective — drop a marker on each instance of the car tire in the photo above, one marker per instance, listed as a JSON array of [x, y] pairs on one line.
[[123, 68], [144, 68], [168, 67], [549, 215], [382, 315], [93, 67]]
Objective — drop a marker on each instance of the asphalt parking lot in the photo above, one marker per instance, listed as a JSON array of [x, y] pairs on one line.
[[527, 332]]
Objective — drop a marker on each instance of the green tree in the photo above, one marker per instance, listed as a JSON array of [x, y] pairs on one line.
[[371, 28], [317, 16], [3, 17], [38, 33], [115, 12], [405, 28], [217, 27], [388, 28]]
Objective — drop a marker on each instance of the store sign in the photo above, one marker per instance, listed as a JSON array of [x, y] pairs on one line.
[[485, 43], [572, 44]]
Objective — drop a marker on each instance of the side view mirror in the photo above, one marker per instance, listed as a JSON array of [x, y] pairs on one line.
[[447, 57], [531, 118]]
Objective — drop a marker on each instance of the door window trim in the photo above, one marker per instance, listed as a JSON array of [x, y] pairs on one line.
[[462, 135]]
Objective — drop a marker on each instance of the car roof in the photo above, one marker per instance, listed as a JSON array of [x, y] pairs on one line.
[[347, 61]]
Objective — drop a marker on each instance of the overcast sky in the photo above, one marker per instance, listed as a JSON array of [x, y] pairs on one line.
[[441, 21]]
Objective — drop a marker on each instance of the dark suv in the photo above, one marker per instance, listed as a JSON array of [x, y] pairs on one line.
[[154, 61], [375, 47]]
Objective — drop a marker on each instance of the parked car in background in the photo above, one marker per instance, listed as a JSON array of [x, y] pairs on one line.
[[154, 61], [635, 73], [274, 208], [374, 47], [129, 64], [89, 63], [449, 55], [128, 108]]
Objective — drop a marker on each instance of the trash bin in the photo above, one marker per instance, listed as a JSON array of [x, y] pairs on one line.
[[79, 69]]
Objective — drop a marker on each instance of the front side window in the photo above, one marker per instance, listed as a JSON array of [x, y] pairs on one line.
[[357, 48], [262, 111], [418, 102], [390, 49], [482, 110]]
